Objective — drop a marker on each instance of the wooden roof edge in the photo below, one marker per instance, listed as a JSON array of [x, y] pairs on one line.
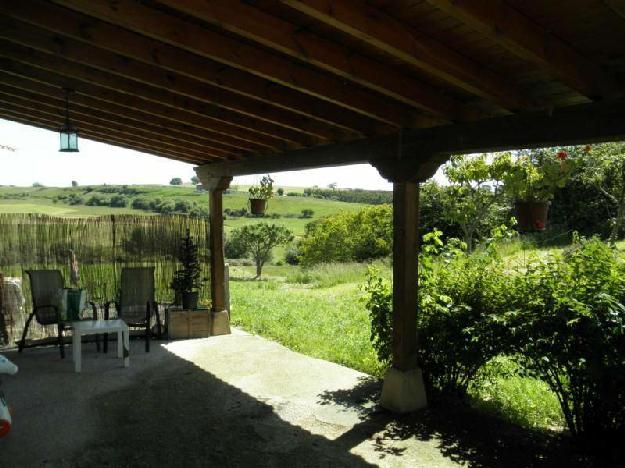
[[428, 148]]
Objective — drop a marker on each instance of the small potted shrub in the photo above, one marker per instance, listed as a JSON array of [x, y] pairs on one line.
[[259, 194], [186, 282], [531, 179]]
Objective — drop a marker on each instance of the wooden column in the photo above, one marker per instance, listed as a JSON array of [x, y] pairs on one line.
[[403, 390], [220, 319], [405, 240]]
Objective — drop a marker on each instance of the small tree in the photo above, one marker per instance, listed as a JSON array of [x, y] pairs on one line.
[[259, 240], [280, 191], [605, 169], [475, 189], [175, 181], [74, 183], [195, 180]]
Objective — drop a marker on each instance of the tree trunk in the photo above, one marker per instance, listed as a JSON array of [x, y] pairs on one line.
[[259, 267]]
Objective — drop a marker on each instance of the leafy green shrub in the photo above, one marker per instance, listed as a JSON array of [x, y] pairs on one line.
[[461, 297], [259, 240], [307, 213], [291, 256], [98, 200], [74, 199], [568, 324], [119, 201], [234, 247], [182, 206], [141, 203], [346, 237]]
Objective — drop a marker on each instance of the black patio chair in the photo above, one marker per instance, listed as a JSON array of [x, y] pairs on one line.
[[44, 288], [136, 302]]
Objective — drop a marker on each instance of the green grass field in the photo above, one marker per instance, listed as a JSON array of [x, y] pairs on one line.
[[289, 209]]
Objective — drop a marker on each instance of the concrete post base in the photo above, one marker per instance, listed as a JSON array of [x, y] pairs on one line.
[[403, 391], [220, 323]]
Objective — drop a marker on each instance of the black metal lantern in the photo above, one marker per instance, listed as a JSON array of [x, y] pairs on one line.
[[69, 135]]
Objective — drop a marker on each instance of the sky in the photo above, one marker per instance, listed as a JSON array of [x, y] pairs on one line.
[[36, 159]]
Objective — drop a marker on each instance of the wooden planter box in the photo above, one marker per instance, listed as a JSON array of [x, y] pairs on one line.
[[184, 324]]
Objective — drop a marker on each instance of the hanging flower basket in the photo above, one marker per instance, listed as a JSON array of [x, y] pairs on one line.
[[258, 206], [531, 216]]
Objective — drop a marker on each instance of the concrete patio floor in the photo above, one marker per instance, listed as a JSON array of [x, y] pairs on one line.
[[235, 400]]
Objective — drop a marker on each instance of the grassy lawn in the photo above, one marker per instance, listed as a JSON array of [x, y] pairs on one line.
[[319, 312]]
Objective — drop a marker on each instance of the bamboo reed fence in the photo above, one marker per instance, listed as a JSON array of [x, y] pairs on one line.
[[103, 246]]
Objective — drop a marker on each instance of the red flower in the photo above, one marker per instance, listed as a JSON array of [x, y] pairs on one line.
[[562, 155]]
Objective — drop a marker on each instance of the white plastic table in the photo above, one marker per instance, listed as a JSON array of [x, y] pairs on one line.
[[95, 327]]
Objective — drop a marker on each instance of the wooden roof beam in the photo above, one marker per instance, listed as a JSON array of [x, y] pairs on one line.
[[168, 58], [287, 38], [244, 56], [116, 124], [283, 137], [356, 18], [134, 118], [428, 148], [18, 115], [528, 40], [108, 62], [14, 66]]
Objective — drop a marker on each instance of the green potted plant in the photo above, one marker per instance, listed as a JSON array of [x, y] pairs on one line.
[[531, 178], [259, 194], [186, 282]]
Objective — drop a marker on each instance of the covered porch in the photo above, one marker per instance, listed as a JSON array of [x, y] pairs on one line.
[[238, 88], [224, 401]]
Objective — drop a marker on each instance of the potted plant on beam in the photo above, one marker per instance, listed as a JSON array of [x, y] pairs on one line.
[[259, 194], [531, 178], [186, 282]]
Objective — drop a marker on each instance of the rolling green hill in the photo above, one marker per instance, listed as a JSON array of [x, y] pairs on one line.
[[55, 201]]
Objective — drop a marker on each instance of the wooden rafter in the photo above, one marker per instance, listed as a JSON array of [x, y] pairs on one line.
[[170, 59], [118, 125], [110, 63], [287, 38], [381, 31], [138, 118], [41, 113], [244, 56], [76, 71], [528, 40], [137, 103], [17, 115]]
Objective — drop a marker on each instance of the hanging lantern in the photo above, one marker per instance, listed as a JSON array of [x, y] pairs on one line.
[[69, 135]]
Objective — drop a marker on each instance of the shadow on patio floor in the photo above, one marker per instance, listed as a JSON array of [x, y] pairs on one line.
[[463, 434]]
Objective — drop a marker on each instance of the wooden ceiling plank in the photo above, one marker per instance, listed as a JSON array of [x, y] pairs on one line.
[[375, 28], [135, 102], [221, 48], [103, 127], [165, 57], [273, 32], [529, 41], [288, 137], [18, 115], [108, 62], [185, 133], [116, 124]]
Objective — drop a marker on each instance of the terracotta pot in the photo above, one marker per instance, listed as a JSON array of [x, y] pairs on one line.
[[258, 206], [531, 216]]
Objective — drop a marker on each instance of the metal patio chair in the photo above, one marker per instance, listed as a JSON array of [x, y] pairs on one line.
[[136, 303], [44, 289]]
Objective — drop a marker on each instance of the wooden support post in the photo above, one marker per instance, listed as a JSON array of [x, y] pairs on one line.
[[220, 319], [403, 390], [405, 239]]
